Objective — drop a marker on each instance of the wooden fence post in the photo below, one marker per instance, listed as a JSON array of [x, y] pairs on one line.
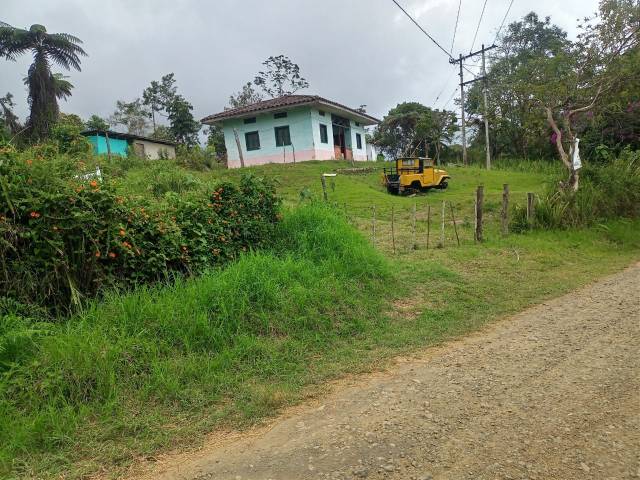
[[442, 227], [393, 231], [479, 204], [413, 226], [530, 204], [455, 227], [106, 137], [373, 227], [428, 224], [235, 133], [505, 209], [324, 187]]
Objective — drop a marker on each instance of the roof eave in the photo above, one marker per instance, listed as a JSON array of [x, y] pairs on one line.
[[362, 118]]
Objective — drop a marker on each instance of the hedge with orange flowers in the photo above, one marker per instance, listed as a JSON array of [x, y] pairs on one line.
[[65, 238]]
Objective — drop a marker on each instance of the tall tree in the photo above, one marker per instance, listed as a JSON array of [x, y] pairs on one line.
[[281, 77], [96, 122], [47, 48], [411, 128], [543, 85], [182, 124], [215, 139], [246, 96], [8, 119], [134, 116], [158, 95]]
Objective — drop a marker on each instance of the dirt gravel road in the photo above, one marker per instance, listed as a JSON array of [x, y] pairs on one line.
[[551, 393]]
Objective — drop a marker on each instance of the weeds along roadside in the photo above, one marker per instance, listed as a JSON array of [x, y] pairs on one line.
[[177, 349]]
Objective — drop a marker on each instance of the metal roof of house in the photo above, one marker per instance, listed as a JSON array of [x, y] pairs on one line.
[[286, 102], [128, 136]]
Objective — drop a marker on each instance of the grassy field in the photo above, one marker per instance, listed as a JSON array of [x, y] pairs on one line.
[[158, 368]]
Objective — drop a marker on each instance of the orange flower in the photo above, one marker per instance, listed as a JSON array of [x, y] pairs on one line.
[[112, 255], [126, 244], [122, 232], [98, 254], [34, 215], [93, 184], [29, 162]]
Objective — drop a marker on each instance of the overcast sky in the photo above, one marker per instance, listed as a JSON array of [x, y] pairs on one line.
[[351, 51]]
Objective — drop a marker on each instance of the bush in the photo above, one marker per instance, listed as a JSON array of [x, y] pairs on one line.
[[606, 191], [64, 238], [192, 349]]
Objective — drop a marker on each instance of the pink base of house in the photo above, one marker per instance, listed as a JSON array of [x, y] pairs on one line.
[[301, 156]]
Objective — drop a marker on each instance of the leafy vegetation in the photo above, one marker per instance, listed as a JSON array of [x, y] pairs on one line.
[[413, 129], [611, 191], [66, 235], [168, 363], [546, 90], [231, 342]]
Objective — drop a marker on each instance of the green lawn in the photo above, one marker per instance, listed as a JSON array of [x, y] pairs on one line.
[[321, 305]]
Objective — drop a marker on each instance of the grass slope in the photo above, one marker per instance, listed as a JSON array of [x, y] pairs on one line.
[[157, 368]]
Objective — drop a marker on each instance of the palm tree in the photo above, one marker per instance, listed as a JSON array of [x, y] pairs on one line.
[[44, 87], [62, 87]]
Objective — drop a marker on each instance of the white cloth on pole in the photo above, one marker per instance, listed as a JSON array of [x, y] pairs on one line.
[[575, 155]]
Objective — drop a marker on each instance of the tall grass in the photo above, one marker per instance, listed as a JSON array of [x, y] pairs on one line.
[[226, 344], [606, 191]]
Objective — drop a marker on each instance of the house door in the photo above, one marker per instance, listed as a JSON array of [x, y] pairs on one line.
[[341, 137], [138, 149], [339, 146]]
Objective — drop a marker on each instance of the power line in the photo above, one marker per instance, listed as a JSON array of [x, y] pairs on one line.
[[455, 29], [503, 20], [444, 86], [450, 98], [422, 29], [478, 27]]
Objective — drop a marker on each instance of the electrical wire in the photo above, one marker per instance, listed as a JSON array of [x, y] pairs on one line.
[[503, 20], [423, 30], [450, 98], [455, 29], [444, 86], [478, 27]]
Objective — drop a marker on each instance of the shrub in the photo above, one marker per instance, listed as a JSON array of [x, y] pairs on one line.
[[64, 238], [606, 191]]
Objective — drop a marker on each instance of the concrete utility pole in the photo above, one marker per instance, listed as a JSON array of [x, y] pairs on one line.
[[486, 120], [462, 84], [464, 130]]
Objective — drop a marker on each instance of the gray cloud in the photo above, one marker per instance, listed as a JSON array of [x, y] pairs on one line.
[[355, 52]]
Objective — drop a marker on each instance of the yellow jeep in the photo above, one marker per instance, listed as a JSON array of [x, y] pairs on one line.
[[414, 174]]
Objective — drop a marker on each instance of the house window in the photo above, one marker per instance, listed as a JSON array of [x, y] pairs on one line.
[[321, 113], [280, 115], [359, 141], [250, 120], [324, 138], [357, 124], [252, 139], [282, 136]]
